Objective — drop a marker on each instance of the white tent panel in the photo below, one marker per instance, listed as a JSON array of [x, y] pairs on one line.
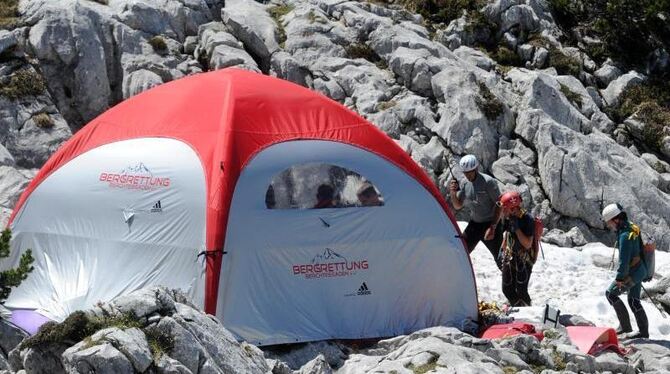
[[309, 274], [117, 218]]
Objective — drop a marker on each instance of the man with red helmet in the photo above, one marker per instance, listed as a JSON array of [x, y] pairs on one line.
[[480, 193], [516, 254]]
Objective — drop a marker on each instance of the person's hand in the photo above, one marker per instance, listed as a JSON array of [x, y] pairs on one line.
[[490, 233], [453, 186]]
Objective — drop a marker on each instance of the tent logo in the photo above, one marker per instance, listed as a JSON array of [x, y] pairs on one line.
[[135, 177], [329, 264], [157, 208], [364, 290]]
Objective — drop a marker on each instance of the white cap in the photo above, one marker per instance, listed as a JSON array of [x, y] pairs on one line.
[[611, 211], [469, 163]]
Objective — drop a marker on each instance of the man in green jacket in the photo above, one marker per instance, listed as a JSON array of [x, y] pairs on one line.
[[630, 272]]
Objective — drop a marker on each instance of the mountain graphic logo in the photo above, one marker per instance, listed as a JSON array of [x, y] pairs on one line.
[[140, 168], [328, 255], [157, 208], [363, 290]]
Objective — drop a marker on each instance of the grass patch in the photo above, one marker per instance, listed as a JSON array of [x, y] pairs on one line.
[[506, 56], [43, 121], [159, 343], [277, 12], [423, 368], [362, 50], [509, 370], [384, 105], [573, 97], [24, 82], [9, 14], [559, 362], [564, 64], [76, 327], [489, 103], [158, 44]]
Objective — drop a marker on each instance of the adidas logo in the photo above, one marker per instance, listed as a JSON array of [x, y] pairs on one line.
[[157, 207], [364, 290]]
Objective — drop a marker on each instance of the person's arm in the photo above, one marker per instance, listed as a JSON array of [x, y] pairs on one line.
[[494, 193], [526, 241], [625, 250], [455, 194]]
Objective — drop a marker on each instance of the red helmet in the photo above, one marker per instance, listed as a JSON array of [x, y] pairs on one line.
[[510, 200]]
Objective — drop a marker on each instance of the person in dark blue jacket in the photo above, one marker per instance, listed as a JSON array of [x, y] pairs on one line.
[[629, 274]]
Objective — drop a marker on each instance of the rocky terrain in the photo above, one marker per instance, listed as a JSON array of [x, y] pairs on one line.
[[541, 126], [157, 330]]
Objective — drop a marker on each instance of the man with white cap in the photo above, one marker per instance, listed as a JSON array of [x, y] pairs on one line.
[[480, 193], [630, 273]]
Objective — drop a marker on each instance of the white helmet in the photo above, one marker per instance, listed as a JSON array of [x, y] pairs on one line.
[[611, 211], [469, 163]]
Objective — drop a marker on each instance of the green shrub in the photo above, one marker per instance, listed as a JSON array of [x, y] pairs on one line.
[[489, 103], [573, 97], [158, 44], [655, 118], [76, 327], [9, 14], [442, 11], [43, 120], [655, 90], [564, 64], [11, 278], [630, 30], [24, 82], [506, 56]]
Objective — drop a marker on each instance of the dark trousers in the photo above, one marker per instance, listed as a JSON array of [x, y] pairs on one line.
[[474, 233], [515, 278]]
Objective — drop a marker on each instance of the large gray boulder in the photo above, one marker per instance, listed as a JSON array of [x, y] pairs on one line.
[[542, 91], [110, 351], [612, 93], [472, 116], [577, 169], [86, 49], [250, 22], [12, 184], [168, 333]]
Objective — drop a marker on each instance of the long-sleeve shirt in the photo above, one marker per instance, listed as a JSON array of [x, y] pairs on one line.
[[629, 247]]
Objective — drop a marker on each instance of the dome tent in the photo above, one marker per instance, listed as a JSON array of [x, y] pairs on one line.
[[175, 187]]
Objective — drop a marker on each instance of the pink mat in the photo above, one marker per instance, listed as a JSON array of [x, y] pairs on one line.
[[593, 340]]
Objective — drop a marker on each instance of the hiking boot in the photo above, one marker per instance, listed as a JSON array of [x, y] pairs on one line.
[[621, 331], [635, 335]]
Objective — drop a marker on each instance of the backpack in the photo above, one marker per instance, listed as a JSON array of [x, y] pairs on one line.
[[648, 246], [537, 235], [648, 249]]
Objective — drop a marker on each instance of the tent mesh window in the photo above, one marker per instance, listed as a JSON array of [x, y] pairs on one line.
[[316, 186]]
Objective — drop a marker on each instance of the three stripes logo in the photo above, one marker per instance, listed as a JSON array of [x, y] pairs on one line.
[[363, 290], [157, 207]]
